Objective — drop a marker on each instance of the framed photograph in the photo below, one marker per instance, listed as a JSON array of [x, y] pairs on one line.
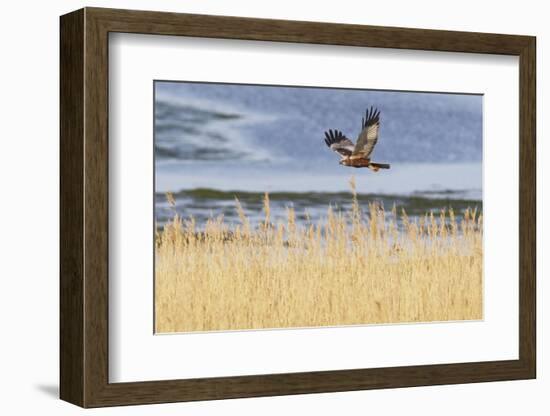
[[255, 207]]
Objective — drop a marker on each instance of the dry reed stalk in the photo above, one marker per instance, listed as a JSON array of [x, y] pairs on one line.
[[350, 269]]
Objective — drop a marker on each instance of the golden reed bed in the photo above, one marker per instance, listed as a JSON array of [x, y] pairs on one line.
[[356, 268]]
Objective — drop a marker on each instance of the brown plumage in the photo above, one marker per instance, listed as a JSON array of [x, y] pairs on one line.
[[358, 155]]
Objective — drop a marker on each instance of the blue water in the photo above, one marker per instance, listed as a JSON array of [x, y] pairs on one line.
[[245, 140]]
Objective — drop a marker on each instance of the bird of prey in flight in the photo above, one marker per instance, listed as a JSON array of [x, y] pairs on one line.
[[358, 155]]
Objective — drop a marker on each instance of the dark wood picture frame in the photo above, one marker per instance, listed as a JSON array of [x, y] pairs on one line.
[[84, 207]]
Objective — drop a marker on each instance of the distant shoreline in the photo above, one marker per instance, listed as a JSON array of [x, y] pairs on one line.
[[205, 203], [403, 178]]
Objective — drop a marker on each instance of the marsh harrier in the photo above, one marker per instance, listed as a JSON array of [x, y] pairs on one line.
[[358, 155]]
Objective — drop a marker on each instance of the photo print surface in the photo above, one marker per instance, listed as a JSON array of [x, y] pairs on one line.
[[297, 207]]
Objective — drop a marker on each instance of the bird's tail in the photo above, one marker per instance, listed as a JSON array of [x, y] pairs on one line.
[[380, 165]]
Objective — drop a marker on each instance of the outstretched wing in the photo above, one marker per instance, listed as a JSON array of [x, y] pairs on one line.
[[339, 143], [369, 134]]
